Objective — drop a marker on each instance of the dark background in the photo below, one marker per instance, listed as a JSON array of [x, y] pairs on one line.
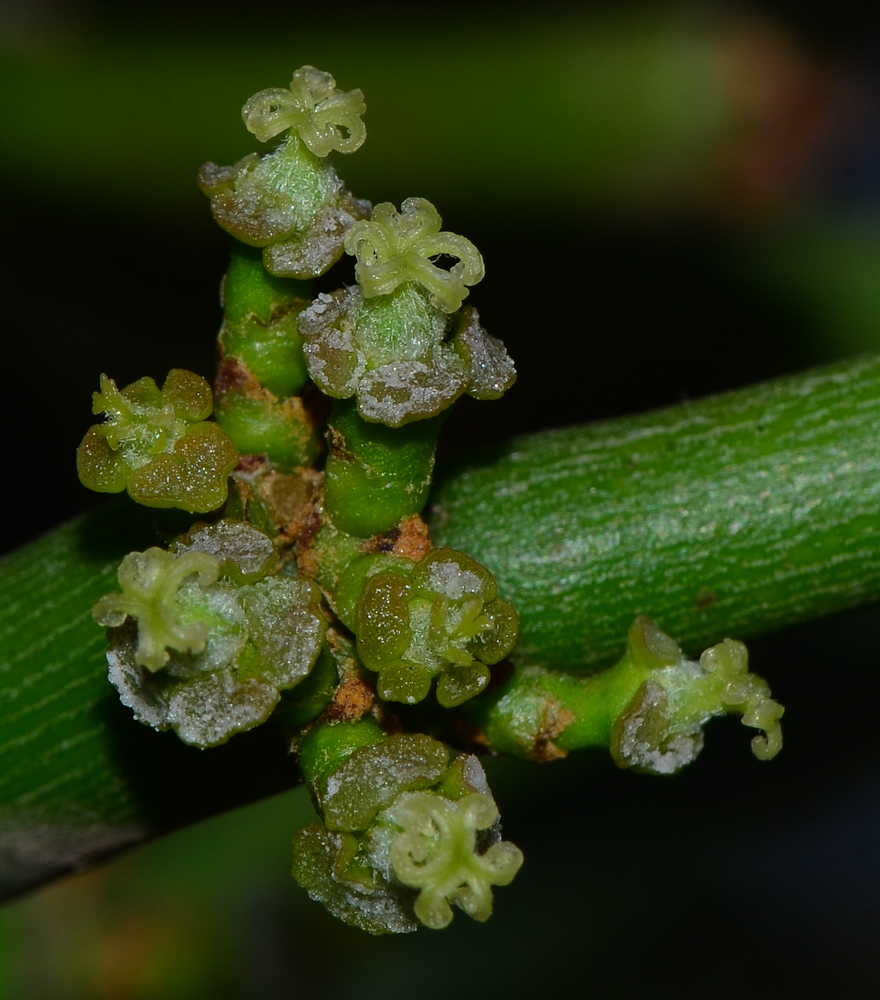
[[671, 201]]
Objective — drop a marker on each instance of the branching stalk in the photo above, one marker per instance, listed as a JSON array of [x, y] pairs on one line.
[[729, 516]]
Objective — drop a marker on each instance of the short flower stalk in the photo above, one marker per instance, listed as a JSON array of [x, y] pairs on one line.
[[649, 709]]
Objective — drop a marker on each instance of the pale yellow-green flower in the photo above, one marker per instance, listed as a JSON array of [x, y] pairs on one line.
[[324, 117], [150, 582], [436, 852], [395, 247]]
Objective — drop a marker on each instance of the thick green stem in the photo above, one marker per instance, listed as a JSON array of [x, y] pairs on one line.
[[261, 363], [377, 475], [728, 516]]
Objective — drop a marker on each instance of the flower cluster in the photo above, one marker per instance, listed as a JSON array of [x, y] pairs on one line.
[[158, 444], [311, 593]]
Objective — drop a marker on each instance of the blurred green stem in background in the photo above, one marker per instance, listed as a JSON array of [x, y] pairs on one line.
[[595, 107]]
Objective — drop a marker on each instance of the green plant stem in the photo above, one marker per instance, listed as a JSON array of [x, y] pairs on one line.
[[729, 516], [375, 474]]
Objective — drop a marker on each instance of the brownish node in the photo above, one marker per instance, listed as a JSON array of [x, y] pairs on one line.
[[409, 538], [290, 500], [353, 699], [555, 720]]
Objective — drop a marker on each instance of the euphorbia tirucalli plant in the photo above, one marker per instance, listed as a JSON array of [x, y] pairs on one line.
[[308, 591]]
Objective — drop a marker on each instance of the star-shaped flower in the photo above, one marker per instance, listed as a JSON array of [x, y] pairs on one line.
[[324, 118], [150, 583], [396, 247], [436, 852]]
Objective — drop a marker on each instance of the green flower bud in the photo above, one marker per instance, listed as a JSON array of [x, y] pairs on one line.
[[158, 445], [290, 201], [406, 833], [440, 617]]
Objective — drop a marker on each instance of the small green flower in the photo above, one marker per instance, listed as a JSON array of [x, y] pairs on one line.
[[393, 248], [158, 444], [213, 641], [661, 728], [393, 342], [406, 831], [150, 583], [325, 118], [290, 200], [440, 617], [436, 853]]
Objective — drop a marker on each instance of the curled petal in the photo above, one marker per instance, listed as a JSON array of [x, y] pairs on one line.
[[323, 117], [661, 729], [747, 694], [150, 583], [436, 852], [395, 247]]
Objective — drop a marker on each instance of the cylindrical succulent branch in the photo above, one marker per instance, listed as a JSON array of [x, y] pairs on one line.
[[311, 593], [262, 372], [733, 514]]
